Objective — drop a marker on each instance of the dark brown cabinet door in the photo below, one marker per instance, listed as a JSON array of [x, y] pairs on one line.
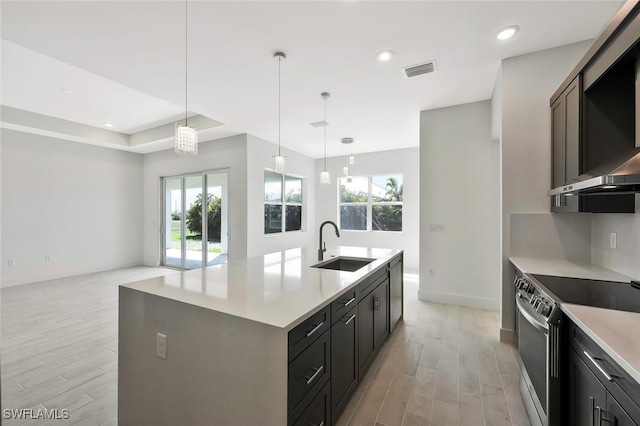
[[365, 332], [380, 314], [614, 415], [344, 361], [585, 393], [565, 136]]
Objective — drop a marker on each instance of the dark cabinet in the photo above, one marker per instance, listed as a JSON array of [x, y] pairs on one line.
[[600, 393], [395, 292], [318, 411], [565, 136], [373, 327], [586, 393], [614, 415], [344, 361]]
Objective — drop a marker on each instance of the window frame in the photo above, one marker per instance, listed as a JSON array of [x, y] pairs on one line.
[[283, 204], [369, 203]]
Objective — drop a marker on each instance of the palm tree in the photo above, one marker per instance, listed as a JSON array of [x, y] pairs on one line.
[[394, 192]]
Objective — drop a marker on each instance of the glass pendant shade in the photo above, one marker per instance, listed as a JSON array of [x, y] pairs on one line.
[[345, 170], [186, 139], [325, 177], [278, 164], [352, 160]]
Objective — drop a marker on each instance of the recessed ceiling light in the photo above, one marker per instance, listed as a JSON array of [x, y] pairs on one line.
[[108, 124], [507, 32], [66, 91], [385, 55]]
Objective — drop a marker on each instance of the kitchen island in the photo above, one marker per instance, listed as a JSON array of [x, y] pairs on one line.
[[251, 342]]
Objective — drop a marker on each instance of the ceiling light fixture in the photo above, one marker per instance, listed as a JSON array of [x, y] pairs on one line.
[[279, 160], [385, 55], [186, 142], [66, 91], [325, 176], [507, 32], [108, 124]]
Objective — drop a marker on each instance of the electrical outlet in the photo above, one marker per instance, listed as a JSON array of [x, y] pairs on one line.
[[432, 272], [613, 240], [47, 258], [161, 346], [436, 227], [12, 262]]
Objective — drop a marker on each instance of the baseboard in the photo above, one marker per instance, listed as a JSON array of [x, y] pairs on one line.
[[460, 300], [507, 336]]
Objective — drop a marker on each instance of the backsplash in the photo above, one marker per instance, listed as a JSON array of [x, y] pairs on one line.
[[625, 258], [564, 236]]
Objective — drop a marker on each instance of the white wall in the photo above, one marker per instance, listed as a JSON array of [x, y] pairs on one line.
[[79, 204], [405, 161], [260, 156], [624, 259], [459, 188], [528, 82], [227, 153]]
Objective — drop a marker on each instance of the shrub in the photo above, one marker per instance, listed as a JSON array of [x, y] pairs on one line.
[[176, 215], [214, 215]]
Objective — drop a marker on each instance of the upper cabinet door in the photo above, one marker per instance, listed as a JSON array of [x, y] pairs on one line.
[[572, 98]]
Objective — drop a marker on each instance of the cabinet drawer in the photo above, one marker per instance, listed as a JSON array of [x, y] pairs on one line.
[[372, 282], [622, 386], [304, 334], [309, 371], [318, 411], [343, 304]]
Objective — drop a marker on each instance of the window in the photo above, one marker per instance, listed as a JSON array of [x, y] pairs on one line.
[[282, 203], [371, 203]]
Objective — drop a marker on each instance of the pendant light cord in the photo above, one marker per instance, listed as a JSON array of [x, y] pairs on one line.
[[325, 133], [279, 112], [186, 69]]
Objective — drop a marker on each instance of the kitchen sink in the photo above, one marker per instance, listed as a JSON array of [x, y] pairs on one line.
[[342, 263]]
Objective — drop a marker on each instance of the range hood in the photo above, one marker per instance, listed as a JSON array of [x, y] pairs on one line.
[[621, 175]]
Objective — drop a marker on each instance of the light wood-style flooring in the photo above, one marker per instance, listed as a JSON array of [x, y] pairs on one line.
[[443, 366]]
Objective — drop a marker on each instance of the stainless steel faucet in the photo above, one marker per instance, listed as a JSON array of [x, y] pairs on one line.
[[322, 248]]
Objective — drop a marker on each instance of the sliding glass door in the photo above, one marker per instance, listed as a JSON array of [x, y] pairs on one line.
[[189, 242]]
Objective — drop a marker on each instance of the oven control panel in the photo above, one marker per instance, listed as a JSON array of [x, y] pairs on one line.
[[531, 294]]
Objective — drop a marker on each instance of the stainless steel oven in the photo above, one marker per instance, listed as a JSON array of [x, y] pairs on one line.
[[539, 318]]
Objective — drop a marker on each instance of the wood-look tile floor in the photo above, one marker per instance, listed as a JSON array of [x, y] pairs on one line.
[[443, 366], [59, 345]]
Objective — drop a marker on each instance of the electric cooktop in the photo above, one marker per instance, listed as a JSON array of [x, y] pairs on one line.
[[601, 294]]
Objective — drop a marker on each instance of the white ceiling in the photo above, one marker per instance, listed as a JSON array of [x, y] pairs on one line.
[[127, 61]]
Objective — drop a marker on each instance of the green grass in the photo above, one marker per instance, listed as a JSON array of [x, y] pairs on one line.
[[175, 236]]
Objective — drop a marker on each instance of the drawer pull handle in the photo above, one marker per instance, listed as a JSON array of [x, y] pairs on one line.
[[350, 319], [376, 303], [316, 374], [594, 361], [353, 299], [316, 328]]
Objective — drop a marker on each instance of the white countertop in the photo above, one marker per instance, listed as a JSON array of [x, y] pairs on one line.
[[565, 268], [279, 289], [617, 332]]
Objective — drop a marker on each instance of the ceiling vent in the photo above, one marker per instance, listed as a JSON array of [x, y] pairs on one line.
[[420, 69], [319, 124]]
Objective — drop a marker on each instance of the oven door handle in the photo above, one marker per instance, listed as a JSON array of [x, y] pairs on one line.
[[529, 317]]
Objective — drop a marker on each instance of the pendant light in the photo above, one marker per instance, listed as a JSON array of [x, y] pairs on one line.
[[345, 170], [186, 141], [325, 176], [352, 158], [278, 160]]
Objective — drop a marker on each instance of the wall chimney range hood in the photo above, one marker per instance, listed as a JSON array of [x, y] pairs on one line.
[[621, 175]]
